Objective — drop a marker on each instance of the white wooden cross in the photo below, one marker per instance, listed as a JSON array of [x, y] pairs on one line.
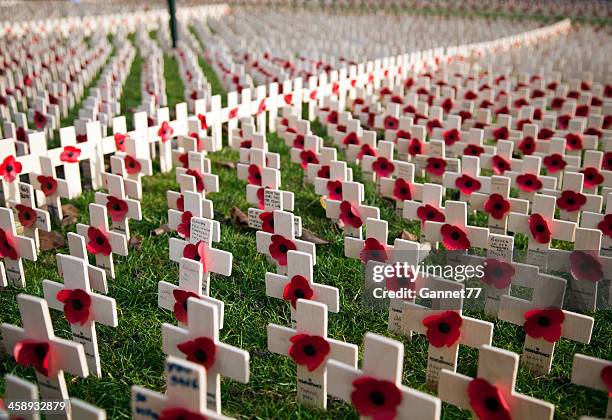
[[491, 393], [382, 165], [13, 248], [377, 388], [78, 248], [36, 345], [277, 245], [186, 391], [52, 187], [329, 184], [198, 167], [400, 186], [120, 207], [603, 222], [163, 133], [17, 389], [309, 347], [81, 307], [101, 241], [500, 159], [454, 232], [255, 160], [135, 162], [299, 284], [268, 196], [12, 166], [348, 211], [528, 179], [30, 217], [187, 205], [199, 343], [468, 181], [544, 322], [594, 175], [571, 201], [593, 373], [425, 206], [326, 158], [541, 228]]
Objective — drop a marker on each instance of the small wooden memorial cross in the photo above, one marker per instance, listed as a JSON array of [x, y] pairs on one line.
[[192, 206], [81, 307], [593, 373], [198, 167], [571, 201], [12, 166], [31, 218], [329, 183], [134, 162], [348, 211], [78, 248], [52, 187], [257, 160], [428, 208], [327, 157], [528, 178], [176, 200], [17, 389], [469, 180], [13, 248], [454, 233], [118, 205], [309, 347], [268, 196], [603, 222]]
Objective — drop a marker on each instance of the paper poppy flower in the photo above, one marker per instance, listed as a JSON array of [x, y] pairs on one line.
[[573, 141], [592, 177], [537, 93], [451, 136], [254, 177], [334, 190], [349, 215], [132, 165], [196, 252], [443, 329], [180, 303], [538, 226], [606, 378], [267, 221], [435, 166], [585, 266], [544, 323], [198, 179], [563, 121], [464, 114], [297, 288], [81, 138], [429, 212], [40, 121], [592, 131], [383, 167], [308, 350], [557, 103], [497, 206], [279, 247], [33, 353], [485, 104], [545, 134], [454, 238], [116, 207], [402, 190], [48, 185], [202, 119], [70, 154], [165, 131], [324, 172], [537, 114], [246, 144], [332, 117], [307, 157], [261, 195], [607, 122], [415, 147], [583, 110], [98, 242], [26, 215], [120, 141], [351, 138], [447, 105], [499, 165], [487, 401], [467, 185], [375, 398], [10, 168], [528, 182], [473, 150], [606, 164], [77, 305], [606, 225], [497, 273], [527, 145], [409, 109], [431, 124], [373, 250], [184, 227], [390, 123], [571, 201], [403, 134], [554, 163], [200, 350], [470, 95], [184, 159], [180, 203], [500, 133], [7, 249]]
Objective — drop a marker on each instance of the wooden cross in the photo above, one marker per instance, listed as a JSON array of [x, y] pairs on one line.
[[198, 167], [299, 284], [528, 179], [199, 343], [330, 185], [379, 383], [268, 196], [348, 211], [17, 389], [12, 167], [603, 222], [400, 186], [433, 161], [193, 205], [120, 207], [52, 187], [570, 199], [31, 218], [186, 394], [13, 248], [309, 347], [252, 162], [101, 241], [162, 133], [81, 307], [326, 157], [593, 373], [500, 160], [277, 245], [491, 393], [135, 162], [77, 248], [425, 205], [382, 165], [469, 180]]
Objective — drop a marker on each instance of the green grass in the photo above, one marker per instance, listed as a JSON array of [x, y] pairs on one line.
[[131, 353]]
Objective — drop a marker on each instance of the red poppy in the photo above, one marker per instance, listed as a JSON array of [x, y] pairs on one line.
[[573, 141], [429, 212], [501, 133], [431, 124], [497, 206], [499, 164], [447, 105], [334, 190], [487, 401], [77, 305], [279, 247], [499, 111], [537, 114], [196, 252], [132, 165], [585, 266], [48, 185], [98, 242], [40, 121], [583, 110], [563, 121], [70, 154], [592, 177], [592, 131], [443, 329], [246, 144], [545, 134], [332, 117], [521, 102], [308, 350], [165, 131], [184, 228], [571, 201], [554, 163], [606, 164], [33, 353], [324, 172], [200, 350], [498, 273], [607, 122], [527, 145], [403, 134], [606, 378], [254, 177], [307, 157], [528, 182], [470, 95], [198, 179], [375, 398], [485, 104], [383, 167], [180, 303], [267, 221], [350, 215], [203, 124], [402, 190], [465, 115], [26, 215], [467, 185], [415, 147], [7, 249], [390, 123], [451, 136], [297, 288], [351, 138], [473, 150], [557, 103], [117, 208], [373, 250], [538, 226], [537, 93], [435, 166], [551, 86], [544, 323], [606, 225], [180, 203], [120, 141], [10, 168], [454, 238], [409, 109]]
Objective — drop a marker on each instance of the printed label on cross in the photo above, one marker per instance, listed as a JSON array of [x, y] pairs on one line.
[[347, 209], [118, 205]]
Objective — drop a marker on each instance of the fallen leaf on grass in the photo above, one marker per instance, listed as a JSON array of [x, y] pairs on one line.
[[238, 217], [408, 236], [227, 165], [50, 240], [311, 237], [135, 242], [71, 215], [161, 230]]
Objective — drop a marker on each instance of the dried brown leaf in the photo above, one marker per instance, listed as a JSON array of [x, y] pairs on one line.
[[161, 230], [50, 240], [227, 164], [135, 242], [408, 236], [238, 217], [70, 210]]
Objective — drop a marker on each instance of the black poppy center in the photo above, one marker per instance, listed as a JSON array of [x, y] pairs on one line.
[[443, 327], [543, 321], [528, 182], [383, 166], [500, 164], [185, 304], [7, 245], [131, 164], [571, 201], [283, 248], [468, 184], [527, 145], [309, 159], [455, 236], [271, 223], [257, 175], [200, 355], [491, 404], [299, 293], [497, 206], [436, 165], [338, 190], [377, 398], [40, 351], [70, 154], [310, 350], [540, 228], [77, 304], [27, 215], [116, 207], [430, 215], [99, 240], [350, 214], [497, 272], [49, 186], [404, 190], [9, 168], [590, 177]]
